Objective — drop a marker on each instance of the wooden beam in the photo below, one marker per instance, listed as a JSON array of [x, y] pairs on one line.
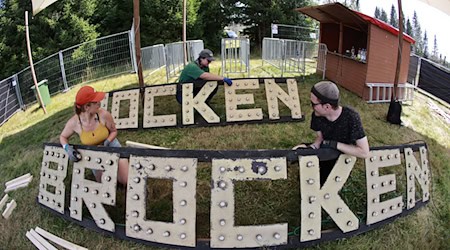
[[137, 41]]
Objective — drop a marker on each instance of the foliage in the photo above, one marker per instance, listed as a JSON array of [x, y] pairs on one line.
[[393, 20], [63, 25], [417, 35], [383, 16], [258, 16]]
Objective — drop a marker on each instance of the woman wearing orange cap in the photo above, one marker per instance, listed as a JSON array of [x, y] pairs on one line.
[[95, 126]]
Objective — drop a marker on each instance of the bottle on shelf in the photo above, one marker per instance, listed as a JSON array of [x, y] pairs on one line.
[[353, 51]]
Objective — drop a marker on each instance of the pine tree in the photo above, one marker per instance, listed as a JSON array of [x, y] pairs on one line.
[[383, 16], [435, 49], [409, 28], [425, 45], [417, 35], [393, 20], [377, 13]]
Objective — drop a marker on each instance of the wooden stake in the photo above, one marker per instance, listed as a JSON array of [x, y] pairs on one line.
[[400, 49], [30, 57], [137, 41]]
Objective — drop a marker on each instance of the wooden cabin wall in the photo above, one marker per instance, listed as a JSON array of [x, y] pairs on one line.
[[382, 57], [347, 73]]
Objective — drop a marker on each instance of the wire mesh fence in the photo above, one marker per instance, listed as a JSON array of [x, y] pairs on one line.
[[175, 56], [292, 32], [291, 56], [153, 58], [235, 55], [9, 101]]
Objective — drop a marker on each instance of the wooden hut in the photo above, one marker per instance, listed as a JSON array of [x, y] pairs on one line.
[[342, 29]]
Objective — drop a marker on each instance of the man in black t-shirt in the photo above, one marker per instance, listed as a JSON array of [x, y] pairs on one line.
[[336, 127]]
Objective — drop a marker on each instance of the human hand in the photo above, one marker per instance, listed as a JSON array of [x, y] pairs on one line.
[[329, 144], [74, 155], [228, 81], [106, 143]]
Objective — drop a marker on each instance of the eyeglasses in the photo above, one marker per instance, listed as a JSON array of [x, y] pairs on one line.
[[315, 104]]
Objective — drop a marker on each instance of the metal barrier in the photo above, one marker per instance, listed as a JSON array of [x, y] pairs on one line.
[[272, 52], [322, 59], [291, 56], [235, 55], [85, 62], [175, 56], [9, 101], [153, 59], [382, 92]]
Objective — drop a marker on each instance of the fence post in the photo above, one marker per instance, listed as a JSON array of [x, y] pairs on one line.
[[63, 70], [15, 83]]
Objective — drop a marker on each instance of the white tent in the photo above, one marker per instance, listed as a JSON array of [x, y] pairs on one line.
[[442, 5], [39, 5]]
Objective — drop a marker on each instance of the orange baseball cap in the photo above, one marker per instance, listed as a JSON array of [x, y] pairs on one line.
[[87, 94]]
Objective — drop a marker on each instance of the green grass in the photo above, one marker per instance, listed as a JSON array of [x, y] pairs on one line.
[[22, 136]]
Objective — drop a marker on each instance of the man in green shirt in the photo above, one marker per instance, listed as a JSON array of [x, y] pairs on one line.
[[197, 72]]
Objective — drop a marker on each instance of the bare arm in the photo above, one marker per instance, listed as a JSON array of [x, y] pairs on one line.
[[110, 125], [211, 77], [361, 149], [67, 132]]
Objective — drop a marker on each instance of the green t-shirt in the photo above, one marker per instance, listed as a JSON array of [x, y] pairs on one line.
[[191, 72]]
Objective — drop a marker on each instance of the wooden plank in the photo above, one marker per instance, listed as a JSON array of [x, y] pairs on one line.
[[64, 243]]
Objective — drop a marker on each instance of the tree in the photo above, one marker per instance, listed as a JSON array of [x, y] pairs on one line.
[[409, 28], [258, 15], [393, 20], [351, 4], [435, 52], [417, 35], [63, 24], [377, 13], [383, 16], [210, 29], [425, 45]]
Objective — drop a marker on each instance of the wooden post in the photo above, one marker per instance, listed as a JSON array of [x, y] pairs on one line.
[[137, 41], [400, 49], [30, 57], [184, 32]]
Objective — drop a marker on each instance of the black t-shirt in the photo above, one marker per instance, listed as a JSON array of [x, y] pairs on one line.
[[347, 128]]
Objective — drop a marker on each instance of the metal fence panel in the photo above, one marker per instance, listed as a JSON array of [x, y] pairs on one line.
[[48, 68], [235, 55], [153, 59], [96, 59], [9, 103], [272, 52], [194, 47], [175, 56], [292, 56]]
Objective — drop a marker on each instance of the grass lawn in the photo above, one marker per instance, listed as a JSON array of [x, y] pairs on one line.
[[262, 202]]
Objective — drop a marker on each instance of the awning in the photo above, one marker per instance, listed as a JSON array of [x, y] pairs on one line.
[[338, 13]]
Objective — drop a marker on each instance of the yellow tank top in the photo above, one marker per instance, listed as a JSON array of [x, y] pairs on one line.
[[96, 136]]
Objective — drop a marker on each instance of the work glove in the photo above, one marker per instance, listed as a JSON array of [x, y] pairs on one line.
[[74, 155], [329, 144], [228, 81], [106, 143]]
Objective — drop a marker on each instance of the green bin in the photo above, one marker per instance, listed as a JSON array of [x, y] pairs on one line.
[[43, 89]]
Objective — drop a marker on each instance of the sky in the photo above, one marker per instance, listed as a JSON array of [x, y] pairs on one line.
[[434, 21]]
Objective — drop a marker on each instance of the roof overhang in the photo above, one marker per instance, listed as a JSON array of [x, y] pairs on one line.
[[335, 13]]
